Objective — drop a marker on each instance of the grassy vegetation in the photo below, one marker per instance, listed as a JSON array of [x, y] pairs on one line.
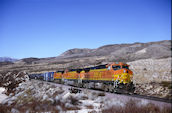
[[132, 107], [166, 84], [34, 105]]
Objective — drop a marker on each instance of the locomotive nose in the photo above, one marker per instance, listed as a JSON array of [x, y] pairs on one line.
[[125, 78]]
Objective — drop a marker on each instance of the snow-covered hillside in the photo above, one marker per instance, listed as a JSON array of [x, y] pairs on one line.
[[39, 96]]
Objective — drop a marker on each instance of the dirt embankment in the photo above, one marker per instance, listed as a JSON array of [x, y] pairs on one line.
[[151, 70], [153, 77]]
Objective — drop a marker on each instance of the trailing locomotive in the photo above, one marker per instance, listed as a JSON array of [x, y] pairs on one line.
[[115, 77]]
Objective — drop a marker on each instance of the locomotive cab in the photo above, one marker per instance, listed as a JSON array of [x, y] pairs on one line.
[[122, 77], [121, 72]]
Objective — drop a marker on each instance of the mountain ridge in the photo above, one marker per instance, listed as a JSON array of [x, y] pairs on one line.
[[80, 58], [121, 49], [7, 59]]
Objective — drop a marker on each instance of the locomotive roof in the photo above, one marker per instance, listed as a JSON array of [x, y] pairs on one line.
[[119, 63], [97, 67]]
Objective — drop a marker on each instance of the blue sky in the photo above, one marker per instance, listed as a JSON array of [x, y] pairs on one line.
[[47, 28]]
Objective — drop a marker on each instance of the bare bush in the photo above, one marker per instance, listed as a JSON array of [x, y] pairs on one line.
[[132, 107]]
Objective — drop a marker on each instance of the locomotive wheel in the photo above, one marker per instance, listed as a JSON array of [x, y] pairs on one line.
[[80, 85], [106, 88], [131, 88], [76, 84], [111, 88], [131, 91], [84, 85]]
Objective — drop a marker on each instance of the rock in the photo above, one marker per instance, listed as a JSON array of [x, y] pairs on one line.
[[157, 70], [14, 110], [153, 89], [12, 79]]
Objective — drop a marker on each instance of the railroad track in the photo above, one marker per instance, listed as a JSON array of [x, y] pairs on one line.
[[138, 96], [150, 98], [129, 95]]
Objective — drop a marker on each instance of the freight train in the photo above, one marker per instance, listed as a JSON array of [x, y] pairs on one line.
[[114, 77]]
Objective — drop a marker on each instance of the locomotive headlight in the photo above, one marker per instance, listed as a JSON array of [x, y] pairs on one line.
[[124, 71]]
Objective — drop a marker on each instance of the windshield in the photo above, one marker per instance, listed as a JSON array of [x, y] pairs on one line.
[[126, 67], [116, 67]]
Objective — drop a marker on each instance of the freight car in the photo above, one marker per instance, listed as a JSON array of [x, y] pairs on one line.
[[48, 76], [115, 77]]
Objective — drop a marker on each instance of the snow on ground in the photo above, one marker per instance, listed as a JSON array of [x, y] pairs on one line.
[[39, 96], [2, 96], [141, 51], [47, 97]]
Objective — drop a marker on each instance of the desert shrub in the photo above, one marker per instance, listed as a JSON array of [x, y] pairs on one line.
[[90, 106], [101, 94], [73, 100], [11, 80], [132, 107], [57, 93], [166, 84], [33, 106], [93, 111], [72, 108], [40, 84], [84, 97], [4, 108]]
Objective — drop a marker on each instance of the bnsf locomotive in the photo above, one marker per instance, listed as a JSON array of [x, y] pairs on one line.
[[115, 77]]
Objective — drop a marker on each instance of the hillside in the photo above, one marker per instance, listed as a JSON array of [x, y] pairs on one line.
[[79, 58], [127, 52], [150, 63]]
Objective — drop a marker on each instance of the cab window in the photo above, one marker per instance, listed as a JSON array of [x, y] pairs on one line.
[[116, 67], [126, 67]]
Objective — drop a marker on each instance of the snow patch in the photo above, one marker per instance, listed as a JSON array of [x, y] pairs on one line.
[[66, 95], [2, 96], [144, 102], [114, 102], [141, 51]]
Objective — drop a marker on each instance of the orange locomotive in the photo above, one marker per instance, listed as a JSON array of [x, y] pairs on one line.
[[115, 77]]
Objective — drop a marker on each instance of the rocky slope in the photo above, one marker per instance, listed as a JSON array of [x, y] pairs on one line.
[[149, 70], [128, 52], [153, 77], [75, 58]]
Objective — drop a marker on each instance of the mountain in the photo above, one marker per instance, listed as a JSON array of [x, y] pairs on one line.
[[127, 52], [7, 59], [150, 63], [80, 58], [76, 52]]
